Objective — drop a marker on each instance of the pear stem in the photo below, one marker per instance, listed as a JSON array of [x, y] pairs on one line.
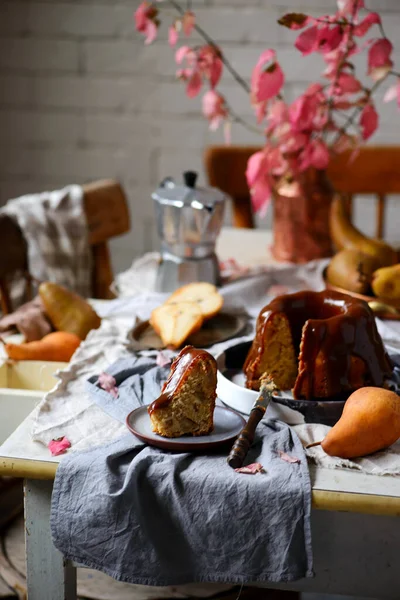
[[313, 444]]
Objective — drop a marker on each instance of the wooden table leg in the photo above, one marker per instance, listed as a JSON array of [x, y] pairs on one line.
[[49, 575]]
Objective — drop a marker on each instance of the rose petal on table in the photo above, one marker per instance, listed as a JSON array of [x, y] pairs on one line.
[[251, 469], [59, 446], [108, 384], [162, 359], [287, 458]]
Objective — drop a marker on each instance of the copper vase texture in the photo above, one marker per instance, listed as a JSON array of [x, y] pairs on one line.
[[301, 209]]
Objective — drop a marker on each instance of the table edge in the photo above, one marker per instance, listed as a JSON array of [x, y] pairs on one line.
[[372, 504]]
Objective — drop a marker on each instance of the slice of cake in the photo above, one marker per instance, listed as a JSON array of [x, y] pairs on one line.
[[187, 401]]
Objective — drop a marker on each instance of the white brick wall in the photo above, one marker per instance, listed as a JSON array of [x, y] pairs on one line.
[[81, 97]]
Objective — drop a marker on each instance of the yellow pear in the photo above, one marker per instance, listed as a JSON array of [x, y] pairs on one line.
[[352, 270], [345, 235], [370, 422], [68, 311], [386, 282]]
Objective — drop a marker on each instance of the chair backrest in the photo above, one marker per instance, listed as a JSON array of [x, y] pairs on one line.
[[375, 170], [107, 216]]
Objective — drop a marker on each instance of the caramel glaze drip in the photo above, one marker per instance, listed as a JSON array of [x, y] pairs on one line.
[[179, 368], [336, 324]]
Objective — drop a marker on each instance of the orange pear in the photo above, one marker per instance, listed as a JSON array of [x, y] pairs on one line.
[[370, 422]]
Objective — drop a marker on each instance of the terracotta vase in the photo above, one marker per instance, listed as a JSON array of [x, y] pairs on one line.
[[301, 217]]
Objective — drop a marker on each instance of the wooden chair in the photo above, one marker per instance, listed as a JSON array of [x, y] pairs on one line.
[[376, 170], [107, 216]]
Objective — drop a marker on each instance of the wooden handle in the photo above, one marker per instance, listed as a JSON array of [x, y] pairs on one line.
[[241, 447]]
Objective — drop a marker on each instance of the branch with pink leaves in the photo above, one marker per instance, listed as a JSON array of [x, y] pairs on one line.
[[325, 119]]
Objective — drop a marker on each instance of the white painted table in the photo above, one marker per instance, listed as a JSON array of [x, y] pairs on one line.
[[355, 525]]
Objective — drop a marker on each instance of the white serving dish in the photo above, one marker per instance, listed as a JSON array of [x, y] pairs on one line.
[[22, 386], [231, 390]]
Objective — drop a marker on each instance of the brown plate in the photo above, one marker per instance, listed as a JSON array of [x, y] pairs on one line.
[[381, 314], [218, 329]]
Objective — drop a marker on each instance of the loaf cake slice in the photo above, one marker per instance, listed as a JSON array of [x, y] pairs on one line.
[[187, 401]]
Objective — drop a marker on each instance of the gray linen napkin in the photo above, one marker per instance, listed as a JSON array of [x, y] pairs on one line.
[[152, 517]]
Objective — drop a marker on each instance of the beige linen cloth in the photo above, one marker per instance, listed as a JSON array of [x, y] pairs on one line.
[[54, 226], [69, 410]]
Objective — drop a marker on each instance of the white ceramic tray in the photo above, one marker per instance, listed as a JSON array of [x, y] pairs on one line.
[[231, 390], [22, 386]]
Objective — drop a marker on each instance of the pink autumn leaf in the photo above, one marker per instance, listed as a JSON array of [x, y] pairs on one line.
[[379, 62], [287, 458], [347, 84], [146, 21], [319, 154], [188, 22], [261, 194], [255, 165], [267, 77], [182, 53], [364, 26], [294, 20], [214, 108], [393, 93], [194, 85], [209, 64], [251, 469], [329, 38], [307, 41], [108, 384], [349, 7], [172, 36], [368, 121], [59, 446]]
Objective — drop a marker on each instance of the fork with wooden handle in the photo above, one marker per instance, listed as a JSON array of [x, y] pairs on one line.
[[245, 439]]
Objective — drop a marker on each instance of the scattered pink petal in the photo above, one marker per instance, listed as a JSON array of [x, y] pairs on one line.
[[108, 384], [379, 62], [59, 446], [368, 121], [162, 360], [251, 469], [287, 458]]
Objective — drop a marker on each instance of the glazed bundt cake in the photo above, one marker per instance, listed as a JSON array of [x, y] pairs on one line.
[[319, 344], [187, 401]]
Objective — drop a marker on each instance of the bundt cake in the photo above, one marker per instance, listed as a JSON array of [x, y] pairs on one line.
[[187, 401], [319, 344]]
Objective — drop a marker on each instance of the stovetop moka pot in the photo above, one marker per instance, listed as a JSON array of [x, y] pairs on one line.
[[189, 219]]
